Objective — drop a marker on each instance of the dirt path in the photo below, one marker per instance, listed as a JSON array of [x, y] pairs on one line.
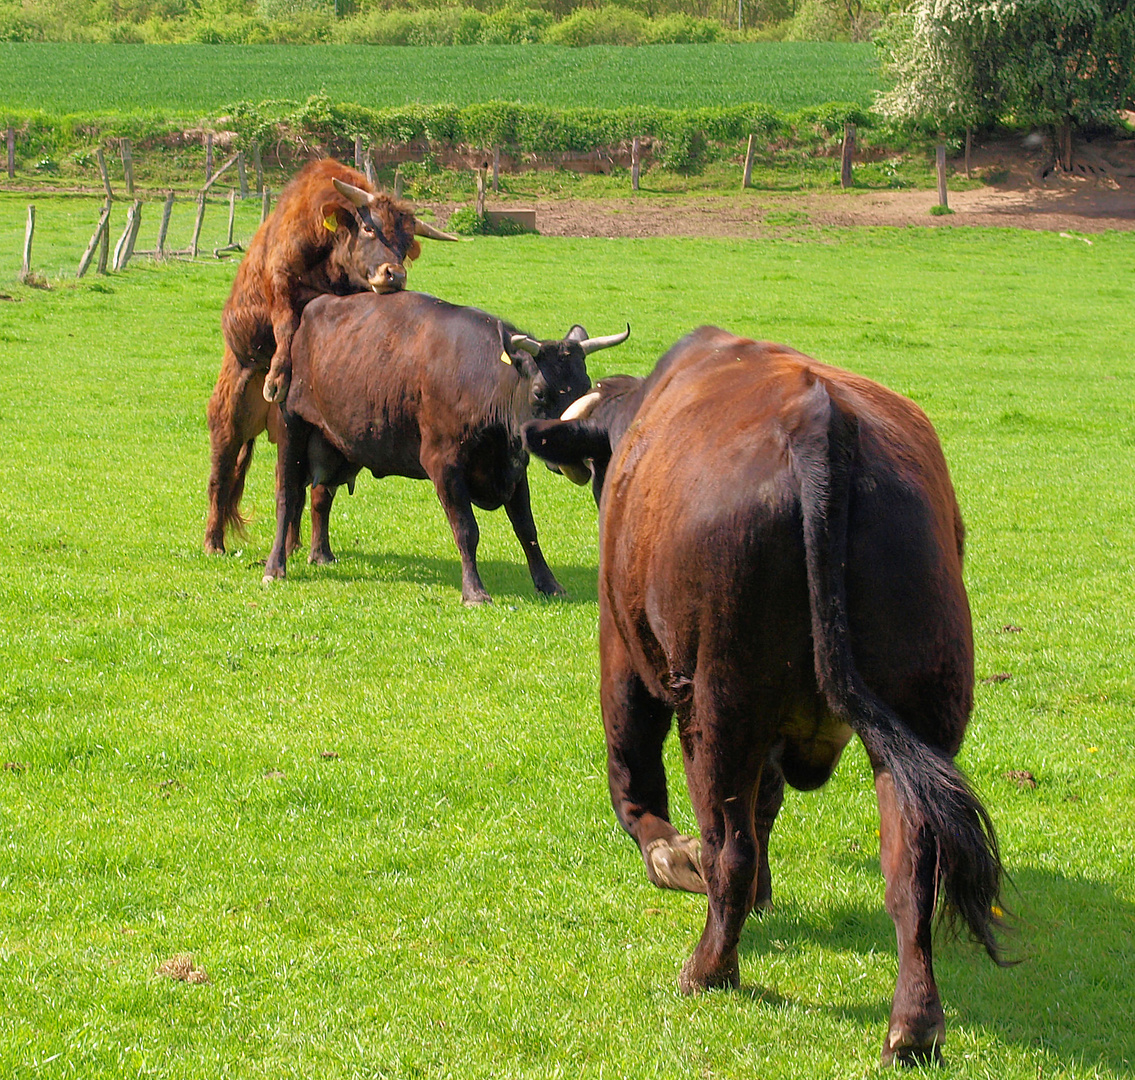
[[1024, 193]]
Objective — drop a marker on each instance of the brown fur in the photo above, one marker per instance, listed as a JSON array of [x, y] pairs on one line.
[[293, 258]]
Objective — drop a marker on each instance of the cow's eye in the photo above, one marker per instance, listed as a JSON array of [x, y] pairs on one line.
[[369, 230]]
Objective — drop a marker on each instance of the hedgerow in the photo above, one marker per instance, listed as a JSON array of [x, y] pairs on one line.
[[681, 138]]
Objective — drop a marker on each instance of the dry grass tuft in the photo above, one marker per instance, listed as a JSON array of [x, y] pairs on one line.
[[183, 968]]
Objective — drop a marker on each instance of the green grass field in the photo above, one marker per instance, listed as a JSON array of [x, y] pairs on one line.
[[379, 821], [188, 80]]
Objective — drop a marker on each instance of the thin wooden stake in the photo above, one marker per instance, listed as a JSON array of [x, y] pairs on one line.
[[208, 158], [496, 169], [96, 242], [120, 248], [232, 215], [243, 176], [197, 226], [368, 164], [11, 152], [29, 232], [259, 166], [358, 152], [969, 147], [940, 162], [221, 171], [636, 163], [846, 157], [479, 206], [104, 244], [167, 210], [398, 183], [128, 166], [105, 175], [747, 175], [265, 205]]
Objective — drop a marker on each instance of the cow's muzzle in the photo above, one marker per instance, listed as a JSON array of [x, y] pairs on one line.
[[388, 278]]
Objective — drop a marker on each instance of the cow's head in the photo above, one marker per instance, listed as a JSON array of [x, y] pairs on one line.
[[581, 442], [554, 372], [378, 234]]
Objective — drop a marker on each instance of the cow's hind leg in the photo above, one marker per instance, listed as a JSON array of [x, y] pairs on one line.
[[723, 771], [236, 414], [453, 494], [291, 487], [636, 725], [519, 510], [907, 852]]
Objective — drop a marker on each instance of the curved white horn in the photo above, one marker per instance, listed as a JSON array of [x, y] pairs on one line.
[[421, 228], [594, 344], [583, 407], [522, 341], [357, 196]]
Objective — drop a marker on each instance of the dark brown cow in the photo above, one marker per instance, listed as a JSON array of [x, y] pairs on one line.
[[781, 566], [408, 385], [329, 233]]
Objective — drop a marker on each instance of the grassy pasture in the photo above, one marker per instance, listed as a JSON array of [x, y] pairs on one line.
[[188, 80], [449, 895]]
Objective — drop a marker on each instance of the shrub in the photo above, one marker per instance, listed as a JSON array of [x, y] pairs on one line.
[[608, 25]]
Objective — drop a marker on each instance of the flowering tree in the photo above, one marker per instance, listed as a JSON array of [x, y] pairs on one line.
[[1053, 63]]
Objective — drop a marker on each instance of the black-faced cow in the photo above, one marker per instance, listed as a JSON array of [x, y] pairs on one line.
[[781, 567], [408, 385]]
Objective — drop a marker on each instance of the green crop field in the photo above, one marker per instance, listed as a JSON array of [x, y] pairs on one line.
[[378, 820], [186, 80]]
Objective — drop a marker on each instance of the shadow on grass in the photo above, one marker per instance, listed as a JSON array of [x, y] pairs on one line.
[[504, 580], [1069, 996]]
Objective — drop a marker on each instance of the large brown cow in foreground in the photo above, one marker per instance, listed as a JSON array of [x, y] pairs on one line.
[[781, 566], [408, 385], [329, 233]]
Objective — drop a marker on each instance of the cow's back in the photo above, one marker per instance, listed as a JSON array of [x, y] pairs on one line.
[[703, 545]]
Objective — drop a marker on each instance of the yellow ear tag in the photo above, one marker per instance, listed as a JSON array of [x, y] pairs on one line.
[[331, 224], [505, 358]]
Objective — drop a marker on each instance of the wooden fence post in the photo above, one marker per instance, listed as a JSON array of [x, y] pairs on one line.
[[167, 210], [208, 157], [259, 166], [265, 205], [11, 152], [29, 232], [479, 206], [104, 243], [359, 152], [243, 176], [197, 225], [940, 163], [97, 242], [127, 166], [105, 175], [496, 169], [398, 182], [636, 163], [969, 147], [747, 175], [124, 249], [368, 167], [848, 153]]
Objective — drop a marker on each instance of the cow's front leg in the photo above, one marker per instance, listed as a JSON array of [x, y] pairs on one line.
[[453, 493], [519, 510], [291, 485], [636, 724], [284, 324], [917, 1026]]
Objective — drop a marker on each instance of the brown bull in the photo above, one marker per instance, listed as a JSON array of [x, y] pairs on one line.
[[781, 567], [329, 233]]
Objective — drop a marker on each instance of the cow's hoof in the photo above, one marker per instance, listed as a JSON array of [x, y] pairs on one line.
[[476, 599], [212, 547], [693, 979], [552, 589], [275, 390], [674, 862], [321, 558], [903, 1048], [271, 578]]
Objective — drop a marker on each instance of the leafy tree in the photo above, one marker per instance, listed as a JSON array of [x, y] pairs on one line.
[[1052, 63]]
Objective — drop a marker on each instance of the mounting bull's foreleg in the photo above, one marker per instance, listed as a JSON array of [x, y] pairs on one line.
[[285, 321], [519, 510], [908, 855], [453, 493], [291, 488], [636, 725]]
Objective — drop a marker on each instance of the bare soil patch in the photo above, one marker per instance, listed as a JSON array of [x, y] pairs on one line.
[[1022, 191]]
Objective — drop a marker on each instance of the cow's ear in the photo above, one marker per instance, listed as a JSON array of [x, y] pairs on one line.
[[519, 356], [576, 334], [333, 217]]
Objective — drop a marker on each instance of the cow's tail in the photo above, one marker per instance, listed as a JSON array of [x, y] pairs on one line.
[[230, 511], [932, 794]]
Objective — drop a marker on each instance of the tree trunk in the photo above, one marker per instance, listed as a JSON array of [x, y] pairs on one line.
[[1064, 145]]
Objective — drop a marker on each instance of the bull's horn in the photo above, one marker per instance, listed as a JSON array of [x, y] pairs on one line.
[[594, 344], [522, 341], [577, 474], [357, 196], [422, 228], [582, 408]]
